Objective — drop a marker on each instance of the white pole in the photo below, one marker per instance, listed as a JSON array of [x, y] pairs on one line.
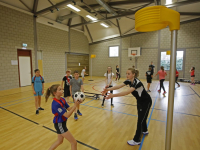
[[171, 90]]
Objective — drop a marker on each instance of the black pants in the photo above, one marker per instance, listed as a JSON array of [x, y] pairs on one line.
[[117, 76], [176, 81], [143, 111], [161, 84], [105, 96]]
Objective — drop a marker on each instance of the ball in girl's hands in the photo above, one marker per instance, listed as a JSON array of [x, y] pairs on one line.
[[80, 96]]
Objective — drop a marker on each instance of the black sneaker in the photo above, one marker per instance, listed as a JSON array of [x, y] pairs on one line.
[[40, 108], [75, 117], [79, 113], [102, 105], [112, 105], [37, 112]]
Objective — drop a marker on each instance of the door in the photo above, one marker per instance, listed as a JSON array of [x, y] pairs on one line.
[[25, 70], [24, 67]]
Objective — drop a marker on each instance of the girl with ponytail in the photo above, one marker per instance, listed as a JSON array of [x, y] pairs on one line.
[[108, 80], [144, 101], [162, 73], [59, 109]]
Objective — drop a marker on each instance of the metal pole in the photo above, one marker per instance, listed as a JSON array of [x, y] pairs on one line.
[[171, 90], [35, 40]]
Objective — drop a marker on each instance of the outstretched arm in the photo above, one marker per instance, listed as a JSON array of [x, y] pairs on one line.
[[112, 88], [120, 94]]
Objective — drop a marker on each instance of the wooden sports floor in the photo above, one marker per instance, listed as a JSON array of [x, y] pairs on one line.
[[107, 128]]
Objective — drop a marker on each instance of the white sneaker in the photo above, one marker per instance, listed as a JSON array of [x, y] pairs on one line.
[[132, 143], [145, 133]]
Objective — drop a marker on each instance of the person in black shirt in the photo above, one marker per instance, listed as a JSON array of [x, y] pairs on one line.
[[152, 68], [117, 73], [144, 102], [67, 79], [149, 76]]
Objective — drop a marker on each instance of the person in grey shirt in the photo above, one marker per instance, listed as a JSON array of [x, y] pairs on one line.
[[76, 85]]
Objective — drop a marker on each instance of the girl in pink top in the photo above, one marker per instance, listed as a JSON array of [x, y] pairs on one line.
[[192, 70], [162, 73]]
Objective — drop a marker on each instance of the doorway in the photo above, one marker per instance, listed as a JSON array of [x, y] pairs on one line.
[[24, 67]]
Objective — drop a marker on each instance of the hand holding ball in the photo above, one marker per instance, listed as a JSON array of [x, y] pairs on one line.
[[80, 96]]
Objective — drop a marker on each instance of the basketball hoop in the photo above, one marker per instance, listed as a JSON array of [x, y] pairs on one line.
[[133, 54]]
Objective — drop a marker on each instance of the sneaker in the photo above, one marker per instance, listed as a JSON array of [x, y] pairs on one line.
[[40, 108], [145, 133], [149, 91], [132, 143], [79, 113], [102, 105], [75, 117], [159, 91], [112, 105], [178, 85], [37, 112], [165, 92]]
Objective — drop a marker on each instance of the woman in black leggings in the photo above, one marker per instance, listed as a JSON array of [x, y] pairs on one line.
[[117, 73], [162, 73], [144, 102]]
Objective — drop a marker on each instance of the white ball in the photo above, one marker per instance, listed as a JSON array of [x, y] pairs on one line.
[[79, 96]]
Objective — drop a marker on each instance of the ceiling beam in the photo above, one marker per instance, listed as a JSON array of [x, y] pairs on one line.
[[98, 13], [112, 17], [120, 33], [182, 3], [25, 5], [35, 6], [54, 7], [119, 3]]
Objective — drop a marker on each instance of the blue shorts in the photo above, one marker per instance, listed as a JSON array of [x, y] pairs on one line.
[[38, 93]]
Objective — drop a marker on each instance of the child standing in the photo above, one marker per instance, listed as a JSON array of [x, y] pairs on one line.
[[59, 106], [162, 73], [149, 76], [83, 73], [144, 102], [38, 89], [177, 74], [67, 79], [76, 85], [192, 73], [117, 73], [108, 80]]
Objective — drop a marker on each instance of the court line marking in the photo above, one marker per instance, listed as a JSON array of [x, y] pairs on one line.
[[195, 92], [44, 126], [148, 122], [16, 100], [119, 112]]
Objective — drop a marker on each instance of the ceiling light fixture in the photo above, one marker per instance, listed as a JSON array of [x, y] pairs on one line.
[[104, 25], [90, 17], [73, 7]]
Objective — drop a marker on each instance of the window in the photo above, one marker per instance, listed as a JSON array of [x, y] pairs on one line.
[[114, 51], [165, 60]]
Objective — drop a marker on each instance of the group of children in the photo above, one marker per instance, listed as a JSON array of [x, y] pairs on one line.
[[62, 111]]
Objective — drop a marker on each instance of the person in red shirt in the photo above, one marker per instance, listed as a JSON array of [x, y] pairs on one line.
[[192, 70], [162, 73], [177, 74]]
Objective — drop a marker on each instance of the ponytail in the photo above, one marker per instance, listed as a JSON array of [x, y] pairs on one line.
[[50, 91], [134, 71], [162, 68]]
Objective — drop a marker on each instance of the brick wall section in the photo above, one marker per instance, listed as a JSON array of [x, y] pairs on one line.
[[188, 36], [144, 61], [79, 42], [149, 39], [192, 60], [15, 28], [102, 60], [53, 43]]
